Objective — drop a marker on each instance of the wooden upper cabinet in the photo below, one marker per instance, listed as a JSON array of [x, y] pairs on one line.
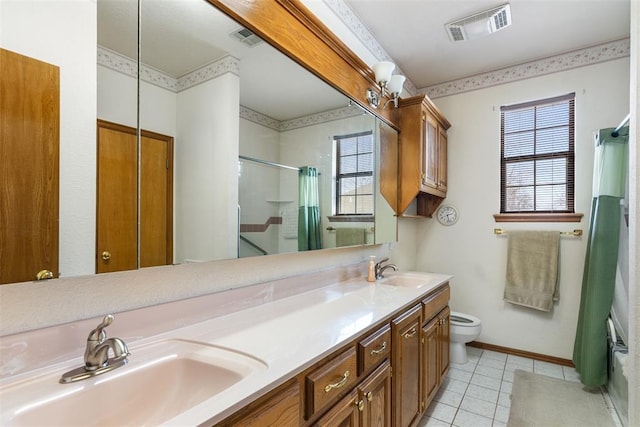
[[422, 173]]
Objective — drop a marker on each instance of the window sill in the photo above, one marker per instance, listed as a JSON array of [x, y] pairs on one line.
[[351, 218], [539, 217]]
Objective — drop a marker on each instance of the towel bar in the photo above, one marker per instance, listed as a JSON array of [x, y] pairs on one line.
[[574, 233]]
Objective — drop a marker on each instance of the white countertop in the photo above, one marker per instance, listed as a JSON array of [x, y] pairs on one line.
[[287, 335]]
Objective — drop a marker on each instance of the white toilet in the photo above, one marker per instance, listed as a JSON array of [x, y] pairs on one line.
[[463, 328]]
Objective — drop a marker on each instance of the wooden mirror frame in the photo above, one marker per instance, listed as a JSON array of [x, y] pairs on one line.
[[291, 28]]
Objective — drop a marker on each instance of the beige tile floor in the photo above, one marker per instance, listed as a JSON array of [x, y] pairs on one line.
[[476, 394]]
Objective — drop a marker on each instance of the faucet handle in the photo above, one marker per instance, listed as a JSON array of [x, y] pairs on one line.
[[98, 334], [382, 261]]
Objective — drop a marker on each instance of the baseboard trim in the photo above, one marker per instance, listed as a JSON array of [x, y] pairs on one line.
[[522, 353]]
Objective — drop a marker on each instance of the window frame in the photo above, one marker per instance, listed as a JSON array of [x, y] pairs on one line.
[[566, 215], [338, 176]]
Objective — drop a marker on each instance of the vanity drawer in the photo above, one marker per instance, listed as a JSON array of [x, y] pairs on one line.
[[330, 380], [374, 348], [432, 304]]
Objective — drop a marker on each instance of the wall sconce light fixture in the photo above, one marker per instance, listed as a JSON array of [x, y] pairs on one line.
[[390, 85]]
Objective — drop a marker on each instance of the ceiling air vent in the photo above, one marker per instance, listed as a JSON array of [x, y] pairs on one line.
[[480, 24], [246, 36]]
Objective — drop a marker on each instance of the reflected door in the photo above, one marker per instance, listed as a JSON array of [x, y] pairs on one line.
[[117, 206], [29, 168]]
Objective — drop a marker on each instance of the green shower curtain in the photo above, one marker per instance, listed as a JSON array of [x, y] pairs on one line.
[[598, 280], [308, 210]]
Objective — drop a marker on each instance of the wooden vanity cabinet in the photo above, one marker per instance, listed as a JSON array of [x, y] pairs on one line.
[[385, 377], [422, 155]]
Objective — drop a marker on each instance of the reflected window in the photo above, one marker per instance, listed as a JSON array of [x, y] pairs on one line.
[[354, 174]]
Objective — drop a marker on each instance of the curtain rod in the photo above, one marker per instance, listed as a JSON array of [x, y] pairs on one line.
[[615, 133], [575, 233], [265, 162]]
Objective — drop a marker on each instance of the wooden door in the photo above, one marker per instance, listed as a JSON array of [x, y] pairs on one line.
[[117, 204], [117, 209], [375, 393], [29, 167], [156, 200], [406, 367]]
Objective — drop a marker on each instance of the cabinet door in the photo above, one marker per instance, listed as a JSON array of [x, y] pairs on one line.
[[375, 393], [430, 160], [406, 364], [282, 409], [430, 368], [443, 337], [345, 413], [442, 159]]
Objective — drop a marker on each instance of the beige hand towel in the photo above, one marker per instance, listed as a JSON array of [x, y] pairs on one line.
[[532, 269], [350, 236]]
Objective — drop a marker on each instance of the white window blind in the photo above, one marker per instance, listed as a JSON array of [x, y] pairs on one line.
[[537, 156]]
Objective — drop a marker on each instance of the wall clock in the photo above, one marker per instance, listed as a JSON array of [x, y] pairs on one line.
[[447, 215]]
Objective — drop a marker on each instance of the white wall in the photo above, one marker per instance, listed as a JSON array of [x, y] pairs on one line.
[[206, 170], [63, 33], [470, 251]]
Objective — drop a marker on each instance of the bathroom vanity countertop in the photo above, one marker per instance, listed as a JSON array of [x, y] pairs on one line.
[[288, 334]]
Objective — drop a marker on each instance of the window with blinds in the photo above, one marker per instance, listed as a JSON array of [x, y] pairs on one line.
[[537, 156], [354, 174]]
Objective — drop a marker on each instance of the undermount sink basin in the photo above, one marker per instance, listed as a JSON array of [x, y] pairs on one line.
[[407, 279], [161, 381]]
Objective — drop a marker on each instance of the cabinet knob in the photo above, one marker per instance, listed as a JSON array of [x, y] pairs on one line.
[[360, 405], [369, 396]]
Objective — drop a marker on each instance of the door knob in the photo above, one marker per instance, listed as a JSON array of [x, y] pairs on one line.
[[106, 255], [44, 275]]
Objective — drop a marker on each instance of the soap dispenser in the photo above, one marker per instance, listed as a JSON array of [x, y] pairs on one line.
[[371, 275]]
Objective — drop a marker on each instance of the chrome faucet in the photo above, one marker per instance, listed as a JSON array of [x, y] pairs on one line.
[[96, 354], [381, 267]]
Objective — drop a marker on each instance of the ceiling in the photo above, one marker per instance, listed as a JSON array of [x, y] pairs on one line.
[[421, 48], [179, 36]]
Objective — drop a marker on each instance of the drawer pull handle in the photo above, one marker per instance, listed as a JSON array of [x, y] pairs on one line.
[[360, 405], [382, 348], [411, 333], [339, 384]]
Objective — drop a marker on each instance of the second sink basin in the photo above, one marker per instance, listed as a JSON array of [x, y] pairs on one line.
[[408, 279], [161, 381]]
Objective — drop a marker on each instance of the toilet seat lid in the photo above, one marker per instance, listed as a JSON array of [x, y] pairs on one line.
[[464, 320]]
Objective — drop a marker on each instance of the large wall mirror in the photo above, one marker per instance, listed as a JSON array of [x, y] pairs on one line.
[[228, 133]]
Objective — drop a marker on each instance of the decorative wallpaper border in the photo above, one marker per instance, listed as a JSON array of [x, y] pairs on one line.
[[579, 58], [575, 59], [228, 64], [123, 64]]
